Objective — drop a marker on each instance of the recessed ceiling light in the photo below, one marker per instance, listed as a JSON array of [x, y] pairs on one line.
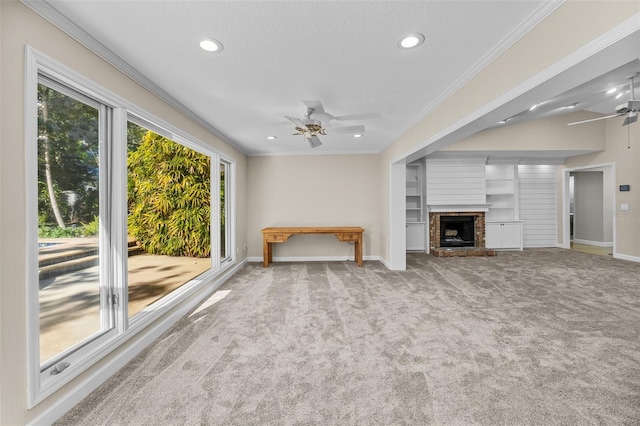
[[502, 121], [272, 137], [533, 107], [357, 135], [619, 95], [612, 90], [410, 41], [211, 45]]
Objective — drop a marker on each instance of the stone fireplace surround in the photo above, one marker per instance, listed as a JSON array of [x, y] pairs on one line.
[[478, 249]]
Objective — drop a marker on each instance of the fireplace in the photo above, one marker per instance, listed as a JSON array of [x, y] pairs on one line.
[[457, 231]]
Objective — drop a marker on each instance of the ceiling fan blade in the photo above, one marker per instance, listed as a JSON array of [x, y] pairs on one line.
[[318, 110], [358, 117], [296, 121], [314, 141], [594, 119], [631, 118], [316, 105], [345, 130]]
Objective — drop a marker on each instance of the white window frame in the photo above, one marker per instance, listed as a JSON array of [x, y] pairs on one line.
[[229, 200], [40, 383]]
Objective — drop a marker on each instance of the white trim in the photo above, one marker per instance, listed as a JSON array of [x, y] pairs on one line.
[[507, 42], [565, 216], [312, 258], [560, 246], [51, 14], [626, 257], [447, 208], [143, 339], [31, 234], [566, 236], [313, 152], [593, 243], [385, 263]]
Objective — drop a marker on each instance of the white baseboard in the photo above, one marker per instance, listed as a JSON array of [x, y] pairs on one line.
[[312, 258], [141, 341], [626, 257], [385, 263], [593, 243]]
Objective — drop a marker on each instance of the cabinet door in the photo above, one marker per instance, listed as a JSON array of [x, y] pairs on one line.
[[415, 236], [511, 235], [492, 233]]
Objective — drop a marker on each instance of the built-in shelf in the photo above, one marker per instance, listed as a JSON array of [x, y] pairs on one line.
[[502, 191], [414, 208], [503, 229]]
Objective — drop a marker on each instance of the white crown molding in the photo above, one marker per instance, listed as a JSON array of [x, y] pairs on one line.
[[305, 153], [503, 45], [51, 14]]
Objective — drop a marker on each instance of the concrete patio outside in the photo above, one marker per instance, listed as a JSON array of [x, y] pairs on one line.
[[70, 298]]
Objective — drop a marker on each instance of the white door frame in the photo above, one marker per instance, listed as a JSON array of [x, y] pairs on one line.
[[566, 200]]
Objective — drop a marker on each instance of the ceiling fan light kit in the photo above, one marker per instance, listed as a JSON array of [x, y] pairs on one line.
[[310, 128]]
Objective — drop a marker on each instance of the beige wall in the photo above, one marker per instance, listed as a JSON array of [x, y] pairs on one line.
[[19, 27], [627, 171], [548, 134], [322, 190], [559, 35]]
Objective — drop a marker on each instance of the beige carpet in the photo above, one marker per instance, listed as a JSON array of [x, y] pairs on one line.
[[540, 337]]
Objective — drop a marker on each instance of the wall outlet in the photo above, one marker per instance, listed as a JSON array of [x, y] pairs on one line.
[[624, 207]]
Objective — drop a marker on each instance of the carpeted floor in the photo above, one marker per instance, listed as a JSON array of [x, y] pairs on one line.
[[539, 337]]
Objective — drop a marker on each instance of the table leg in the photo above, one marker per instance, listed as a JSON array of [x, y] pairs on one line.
[[265, 252], [358, 250]]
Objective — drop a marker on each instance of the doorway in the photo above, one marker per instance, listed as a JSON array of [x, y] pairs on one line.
[[588, 217]]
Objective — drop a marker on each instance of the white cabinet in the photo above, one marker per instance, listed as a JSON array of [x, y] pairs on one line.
[[504, 235], [415, 236], [415, 207]]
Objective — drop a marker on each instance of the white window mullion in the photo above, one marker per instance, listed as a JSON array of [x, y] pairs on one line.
[[118, 217], [215, 212]]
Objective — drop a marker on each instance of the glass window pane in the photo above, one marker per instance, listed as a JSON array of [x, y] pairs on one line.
[[68, 211], [169, 209]]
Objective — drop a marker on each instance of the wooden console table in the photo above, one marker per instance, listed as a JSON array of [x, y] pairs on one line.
[[347, 234]]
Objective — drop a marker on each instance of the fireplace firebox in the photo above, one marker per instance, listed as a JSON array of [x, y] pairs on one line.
[[457, 231]]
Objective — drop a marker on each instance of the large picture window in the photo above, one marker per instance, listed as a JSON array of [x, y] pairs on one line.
[[169, 215], [123, 222]]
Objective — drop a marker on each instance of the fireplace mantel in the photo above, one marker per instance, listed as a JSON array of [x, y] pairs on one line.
[[457, 208]]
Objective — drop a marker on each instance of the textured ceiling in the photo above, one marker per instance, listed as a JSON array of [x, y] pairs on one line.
[[277, 54]]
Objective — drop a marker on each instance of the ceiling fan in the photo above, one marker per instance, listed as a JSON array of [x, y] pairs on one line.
[[310, 128], [630, 109]]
